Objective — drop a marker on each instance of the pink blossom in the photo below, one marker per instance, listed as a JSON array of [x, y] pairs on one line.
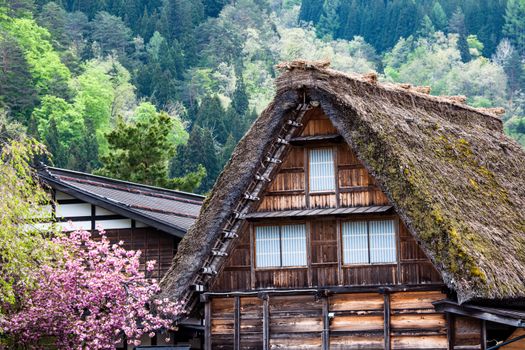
[[90, 299]]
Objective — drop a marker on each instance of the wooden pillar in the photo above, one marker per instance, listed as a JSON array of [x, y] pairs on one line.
[[326, 324], [386, 308], [483, 335], [207, 325], [309, 252], [340, 276], [451, 329], [237, 324], [266, 322]]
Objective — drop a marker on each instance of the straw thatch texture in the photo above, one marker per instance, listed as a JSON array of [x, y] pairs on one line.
[[456, 181]]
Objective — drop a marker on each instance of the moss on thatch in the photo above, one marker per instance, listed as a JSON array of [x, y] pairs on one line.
[[456, 181]]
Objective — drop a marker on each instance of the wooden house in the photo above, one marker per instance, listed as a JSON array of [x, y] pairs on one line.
[[150, 219], [360, 215]]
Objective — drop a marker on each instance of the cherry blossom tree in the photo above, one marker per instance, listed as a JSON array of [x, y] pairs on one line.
[[90, 299]]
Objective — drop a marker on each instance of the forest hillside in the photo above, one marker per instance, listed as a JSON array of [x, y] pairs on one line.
[[160, 91]]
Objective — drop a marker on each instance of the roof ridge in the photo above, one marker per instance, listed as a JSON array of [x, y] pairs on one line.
[[48, 168], [130, 190], [323, 66]]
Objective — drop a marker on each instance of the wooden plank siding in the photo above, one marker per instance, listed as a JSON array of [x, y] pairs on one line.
[[289, 188], [325, 261], [400, 320], [155, 245]]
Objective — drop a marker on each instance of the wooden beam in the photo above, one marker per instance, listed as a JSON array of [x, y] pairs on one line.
[[207, 325], [451, 330], [326, 324], [251, 231], [386, 308], [266, 322], [340, 276], [335, 155], [483, 335], [334, 290], [308, 228], [237, 324]]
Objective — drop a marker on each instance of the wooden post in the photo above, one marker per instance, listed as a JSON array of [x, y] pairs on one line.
[[237, 324], [336, 172], [307, 177], [93, 216], [483, 335], [386, 308], [252, 256], [326, 324], [450, 330], [207, 325], [266, 322], [340, 276], [309, 252]]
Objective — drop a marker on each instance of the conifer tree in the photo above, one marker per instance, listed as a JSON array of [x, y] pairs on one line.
[[514, 26], [457, 25], [17, 93]]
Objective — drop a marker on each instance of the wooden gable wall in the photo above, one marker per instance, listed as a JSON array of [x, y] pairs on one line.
[[289, 190]]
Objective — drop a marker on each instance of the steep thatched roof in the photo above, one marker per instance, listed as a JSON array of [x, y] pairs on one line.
[[453, 177]]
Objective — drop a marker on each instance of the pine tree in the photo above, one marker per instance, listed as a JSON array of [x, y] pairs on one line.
[[227, 149], [328, 25], [457, 25], [514, 26], [210, 115], [17, 93], [54, 146], [140, 152], [427, 27], [240, 100], [439, 17]]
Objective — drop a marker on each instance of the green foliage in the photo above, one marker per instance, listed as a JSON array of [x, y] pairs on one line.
[[49, 74], [24, 241], [111, 34], [60, 125], [140, 151], [17, 92], [514, 27]]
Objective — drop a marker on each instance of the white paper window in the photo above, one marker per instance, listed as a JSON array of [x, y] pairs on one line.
[[279, 246], [293, 239], [382, 241], [369, 242], [322, 176], [267, 244]]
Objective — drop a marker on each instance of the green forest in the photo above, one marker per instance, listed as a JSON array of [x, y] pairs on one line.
[[160, 91]]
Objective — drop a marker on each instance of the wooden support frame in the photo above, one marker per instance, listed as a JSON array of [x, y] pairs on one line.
[[326, 324], [386, 310], [451, 330], [207, 325], [340, 275], [483, 339], [266, 321], [308, 234], [237, 323]]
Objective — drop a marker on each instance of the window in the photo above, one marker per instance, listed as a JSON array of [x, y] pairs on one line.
[[369, 242], [322, 175], [278, 246]]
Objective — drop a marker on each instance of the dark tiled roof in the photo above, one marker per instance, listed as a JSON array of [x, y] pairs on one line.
[[167, 210]]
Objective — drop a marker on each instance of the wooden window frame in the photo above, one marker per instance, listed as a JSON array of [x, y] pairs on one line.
[[308, 149], [368, 220], [280, 225]]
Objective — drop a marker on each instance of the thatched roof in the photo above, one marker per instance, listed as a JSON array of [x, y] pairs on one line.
[[456, 181]]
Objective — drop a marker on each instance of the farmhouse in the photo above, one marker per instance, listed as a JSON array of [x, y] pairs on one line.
[[150, 219], [360, 215]]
